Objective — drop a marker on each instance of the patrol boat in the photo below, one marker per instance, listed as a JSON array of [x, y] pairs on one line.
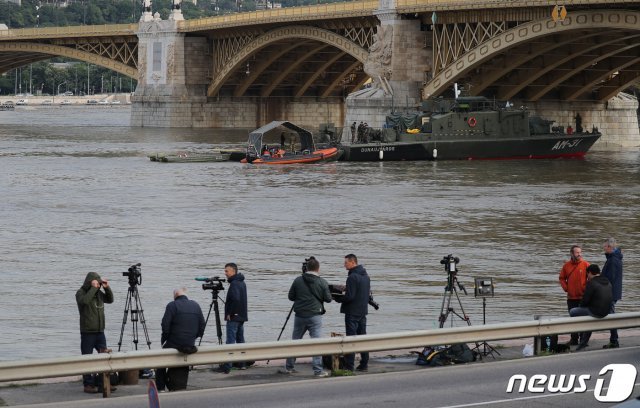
[[468, 128]]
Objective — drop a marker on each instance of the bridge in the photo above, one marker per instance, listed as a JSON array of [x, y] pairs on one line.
[[244, 69]]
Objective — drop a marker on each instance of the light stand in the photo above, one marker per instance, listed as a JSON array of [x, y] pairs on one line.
[[484, 287]]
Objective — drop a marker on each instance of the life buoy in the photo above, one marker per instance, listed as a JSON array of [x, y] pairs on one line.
[[472, 122]]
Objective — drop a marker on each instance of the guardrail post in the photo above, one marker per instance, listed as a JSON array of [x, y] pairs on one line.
[[537, 340], [106, 385]]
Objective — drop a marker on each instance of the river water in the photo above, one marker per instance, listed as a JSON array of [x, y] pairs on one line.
[[79, 195]]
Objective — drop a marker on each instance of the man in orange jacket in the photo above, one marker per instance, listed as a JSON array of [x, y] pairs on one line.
[[573, 279]]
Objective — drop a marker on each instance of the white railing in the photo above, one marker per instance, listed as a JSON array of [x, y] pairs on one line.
[[58, 367]]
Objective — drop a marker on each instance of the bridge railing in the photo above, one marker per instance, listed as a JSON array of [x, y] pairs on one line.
[[69, 31], [57, 367], [362, 7]]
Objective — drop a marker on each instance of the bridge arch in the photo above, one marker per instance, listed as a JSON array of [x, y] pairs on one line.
[[57, 50], [303, 34], [604, 29]]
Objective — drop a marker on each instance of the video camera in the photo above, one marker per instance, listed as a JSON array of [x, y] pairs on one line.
[[214, 283], [134, 274], [337, 293], [450, 263]]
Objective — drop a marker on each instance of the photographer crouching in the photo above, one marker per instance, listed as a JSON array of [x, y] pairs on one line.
[[91, 300], [308, 293]]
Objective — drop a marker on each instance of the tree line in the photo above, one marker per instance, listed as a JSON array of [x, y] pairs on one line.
[[48, 78], [95, 12]]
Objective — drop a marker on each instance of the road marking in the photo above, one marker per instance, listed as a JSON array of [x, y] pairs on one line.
[[478, 404]]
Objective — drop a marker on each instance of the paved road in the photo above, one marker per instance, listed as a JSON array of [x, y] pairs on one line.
[[473, 385]]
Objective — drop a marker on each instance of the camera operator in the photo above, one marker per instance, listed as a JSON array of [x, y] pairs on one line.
[[235, 310], [355, 304], [91, 300], [308, 293], [182, 323]]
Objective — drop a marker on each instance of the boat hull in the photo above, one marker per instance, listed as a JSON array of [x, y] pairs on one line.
[[190, 157], [318, 156], [538, 147]]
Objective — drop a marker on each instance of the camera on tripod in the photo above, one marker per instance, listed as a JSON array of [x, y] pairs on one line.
[[134, 274], [450, 263], [214, 283]]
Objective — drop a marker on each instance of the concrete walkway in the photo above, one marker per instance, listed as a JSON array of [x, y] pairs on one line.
[[70, 388]]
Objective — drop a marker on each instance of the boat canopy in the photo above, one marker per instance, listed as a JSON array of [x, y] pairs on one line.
[[306, 138]]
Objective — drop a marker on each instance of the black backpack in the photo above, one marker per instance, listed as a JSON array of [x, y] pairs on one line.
[[440, 355]]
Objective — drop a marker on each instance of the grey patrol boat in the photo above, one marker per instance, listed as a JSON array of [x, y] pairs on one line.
[[468, 128]]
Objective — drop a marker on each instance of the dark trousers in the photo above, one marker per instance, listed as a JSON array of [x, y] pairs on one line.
[[613, 337], [174, 378], [355, 325], [571, 303], [88, 343]]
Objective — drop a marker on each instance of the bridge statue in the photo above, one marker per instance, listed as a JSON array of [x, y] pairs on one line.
[[146, 11], [176, 12], [398, 63]]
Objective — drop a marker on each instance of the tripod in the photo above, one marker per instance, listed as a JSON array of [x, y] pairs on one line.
[[449, 291], [487, 349], [216, 311], [134, 305]]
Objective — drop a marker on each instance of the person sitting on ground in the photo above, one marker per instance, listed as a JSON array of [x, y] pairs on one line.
[[596, 301]]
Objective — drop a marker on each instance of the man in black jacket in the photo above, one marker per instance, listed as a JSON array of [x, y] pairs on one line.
[[355, 306], [235, 310], [182, 323], [596, 301]]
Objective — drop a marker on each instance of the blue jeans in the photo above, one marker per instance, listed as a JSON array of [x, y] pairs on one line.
[[235, 334], [355, 325], [88, 343], [301, 325], [613, 337]]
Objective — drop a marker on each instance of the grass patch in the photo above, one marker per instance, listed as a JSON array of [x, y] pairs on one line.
[[342, 373]]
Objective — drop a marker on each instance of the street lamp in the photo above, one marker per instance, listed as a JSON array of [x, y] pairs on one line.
[[61, 83]]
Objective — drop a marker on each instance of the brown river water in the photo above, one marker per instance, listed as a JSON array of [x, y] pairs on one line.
[[79, 195]]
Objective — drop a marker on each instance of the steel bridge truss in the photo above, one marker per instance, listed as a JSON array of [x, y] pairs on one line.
[[322, 60]]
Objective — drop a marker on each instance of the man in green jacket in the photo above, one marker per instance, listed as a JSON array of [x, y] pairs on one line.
[[91, 300], [308, 294]]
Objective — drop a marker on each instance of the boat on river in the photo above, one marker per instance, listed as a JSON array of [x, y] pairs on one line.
[[468, 128], [189, 157], [258, 152]]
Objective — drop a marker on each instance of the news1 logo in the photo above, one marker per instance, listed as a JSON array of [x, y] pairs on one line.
[[620, 383]]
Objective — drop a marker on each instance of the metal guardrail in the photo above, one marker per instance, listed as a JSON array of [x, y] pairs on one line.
[[58, 367]]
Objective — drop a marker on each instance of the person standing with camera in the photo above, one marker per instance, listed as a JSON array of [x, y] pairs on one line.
[[308, 293], [91, 300], [235, 310], [182, 323], [355, 306]]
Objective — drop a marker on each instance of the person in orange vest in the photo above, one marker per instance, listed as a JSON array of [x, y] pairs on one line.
[[573, 279]]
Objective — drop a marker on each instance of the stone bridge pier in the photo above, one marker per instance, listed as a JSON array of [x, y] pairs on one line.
[[174, 72]]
